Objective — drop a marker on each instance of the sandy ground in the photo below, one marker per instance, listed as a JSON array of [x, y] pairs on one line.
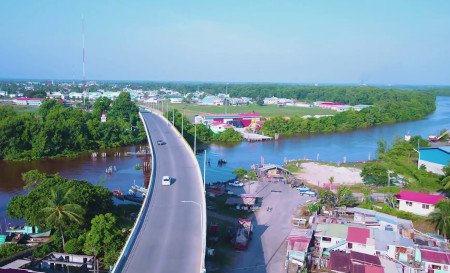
[[267, 249], [318, 174]]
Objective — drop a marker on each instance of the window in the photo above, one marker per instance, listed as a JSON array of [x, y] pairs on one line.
[[425, 206], [409, 203], [349, 245], [326, 239]]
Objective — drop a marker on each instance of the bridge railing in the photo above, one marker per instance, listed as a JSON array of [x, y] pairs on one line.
[[118, 267]]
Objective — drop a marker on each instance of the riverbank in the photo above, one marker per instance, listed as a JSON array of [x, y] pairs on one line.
[[82, 167]]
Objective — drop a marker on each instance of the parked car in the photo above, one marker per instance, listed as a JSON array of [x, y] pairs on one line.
[[166, 180], [236, 184], [309, 193], [303, 189], [160, 142]]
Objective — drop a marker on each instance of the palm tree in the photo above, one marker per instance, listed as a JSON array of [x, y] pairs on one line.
[[441, 218], [331, 180], [60, 211]]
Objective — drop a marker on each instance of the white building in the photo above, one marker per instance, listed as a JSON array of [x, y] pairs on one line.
[[418, 203]]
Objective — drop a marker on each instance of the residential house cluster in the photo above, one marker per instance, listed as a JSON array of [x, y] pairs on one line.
[[220, 122], [339, 107], [356, 240]]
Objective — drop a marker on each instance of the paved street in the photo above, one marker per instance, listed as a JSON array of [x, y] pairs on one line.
[[170, 239], [266, 252]]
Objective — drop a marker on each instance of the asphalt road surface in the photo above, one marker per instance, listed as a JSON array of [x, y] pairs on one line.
[[170, 239]]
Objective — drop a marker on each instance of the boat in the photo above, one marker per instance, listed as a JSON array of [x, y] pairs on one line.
[[40, 234], [23, 229], [139, 189], [118, 194]]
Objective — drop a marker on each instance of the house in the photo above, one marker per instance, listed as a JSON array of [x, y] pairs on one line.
[[28, 101], [417, 203], [176, 100], [383, 221], [103, 117], [298, 242], [271, 101], [435, 261], [434, 159], [211, 100], [331, 237], [59, 261], [354, 262], [237, 120], [359, 239], [218, 127]]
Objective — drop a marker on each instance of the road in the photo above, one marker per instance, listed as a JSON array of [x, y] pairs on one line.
[[267, 249], [170, 239]]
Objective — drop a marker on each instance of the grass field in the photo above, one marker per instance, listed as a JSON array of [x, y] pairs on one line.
[[267, 110]]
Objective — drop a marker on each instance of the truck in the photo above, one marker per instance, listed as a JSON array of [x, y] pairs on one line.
[[243, 234]]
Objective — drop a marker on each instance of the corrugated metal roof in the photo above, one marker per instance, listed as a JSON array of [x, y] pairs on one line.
[[438, 155]]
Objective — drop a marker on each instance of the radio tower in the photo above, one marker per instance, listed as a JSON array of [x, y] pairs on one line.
[[85, 93]]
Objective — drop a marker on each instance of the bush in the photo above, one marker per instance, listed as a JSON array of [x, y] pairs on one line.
[[8, 250], [73, 246]]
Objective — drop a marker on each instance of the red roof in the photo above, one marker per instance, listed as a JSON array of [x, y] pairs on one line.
[[298, 243], [37, 99], [435, 257], [373, 269], [358, 235], [250, 115], [331, 103], [425, 198]]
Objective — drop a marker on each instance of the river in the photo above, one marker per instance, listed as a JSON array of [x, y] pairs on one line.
[[355, 146], [82, 167]]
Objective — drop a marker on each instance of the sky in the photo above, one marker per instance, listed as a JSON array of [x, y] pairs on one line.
[[290, 41]]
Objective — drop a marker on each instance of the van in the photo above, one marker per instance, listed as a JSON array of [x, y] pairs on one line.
[[166, 180]]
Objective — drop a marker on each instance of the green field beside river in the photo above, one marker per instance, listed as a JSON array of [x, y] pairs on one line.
[[266, 110]]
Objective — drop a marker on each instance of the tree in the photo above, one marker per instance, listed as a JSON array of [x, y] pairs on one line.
[[252, 175], [441, 217], [32, 178], [375, 173], [381, 148], [344, 197], [240, 172], [102, 235], [229, 135], [367, 192], [327, 198], [260, 101], [331, 180], [61, 211]]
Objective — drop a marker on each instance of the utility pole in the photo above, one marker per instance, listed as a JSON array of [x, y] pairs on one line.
[[182, 125]]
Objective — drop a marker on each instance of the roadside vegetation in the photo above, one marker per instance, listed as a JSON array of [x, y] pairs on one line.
[[82, 216], [54, 130]]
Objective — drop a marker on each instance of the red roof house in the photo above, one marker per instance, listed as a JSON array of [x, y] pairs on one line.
[[417, 202], [358, 235]]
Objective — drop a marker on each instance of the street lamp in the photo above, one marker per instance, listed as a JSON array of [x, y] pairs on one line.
[[202, 225]]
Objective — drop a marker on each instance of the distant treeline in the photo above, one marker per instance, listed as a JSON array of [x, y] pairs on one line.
[[390, 107], [54, 130]]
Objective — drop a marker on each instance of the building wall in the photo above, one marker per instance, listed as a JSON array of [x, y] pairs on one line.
[[431, 167], [334, 240], [415, 208], [444, 267], [363, 248]]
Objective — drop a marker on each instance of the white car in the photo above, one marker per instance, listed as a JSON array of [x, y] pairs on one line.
[[236, 184], [166, 180]]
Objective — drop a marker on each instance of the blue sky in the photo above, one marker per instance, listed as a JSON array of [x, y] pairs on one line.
[[316, 41]]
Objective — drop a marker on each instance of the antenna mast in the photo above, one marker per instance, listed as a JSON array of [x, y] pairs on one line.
[[84, 71]]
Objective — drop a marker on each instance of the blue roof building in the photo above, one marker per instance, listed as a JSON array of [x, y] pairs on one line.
[[434, 159]]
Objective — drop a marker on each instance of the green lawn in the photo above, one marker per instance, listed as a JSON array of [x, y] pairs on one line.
[[267, 110]]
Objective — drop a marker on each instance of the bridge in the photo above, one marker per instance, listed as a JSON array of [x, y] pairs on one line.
[[170, 232]]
